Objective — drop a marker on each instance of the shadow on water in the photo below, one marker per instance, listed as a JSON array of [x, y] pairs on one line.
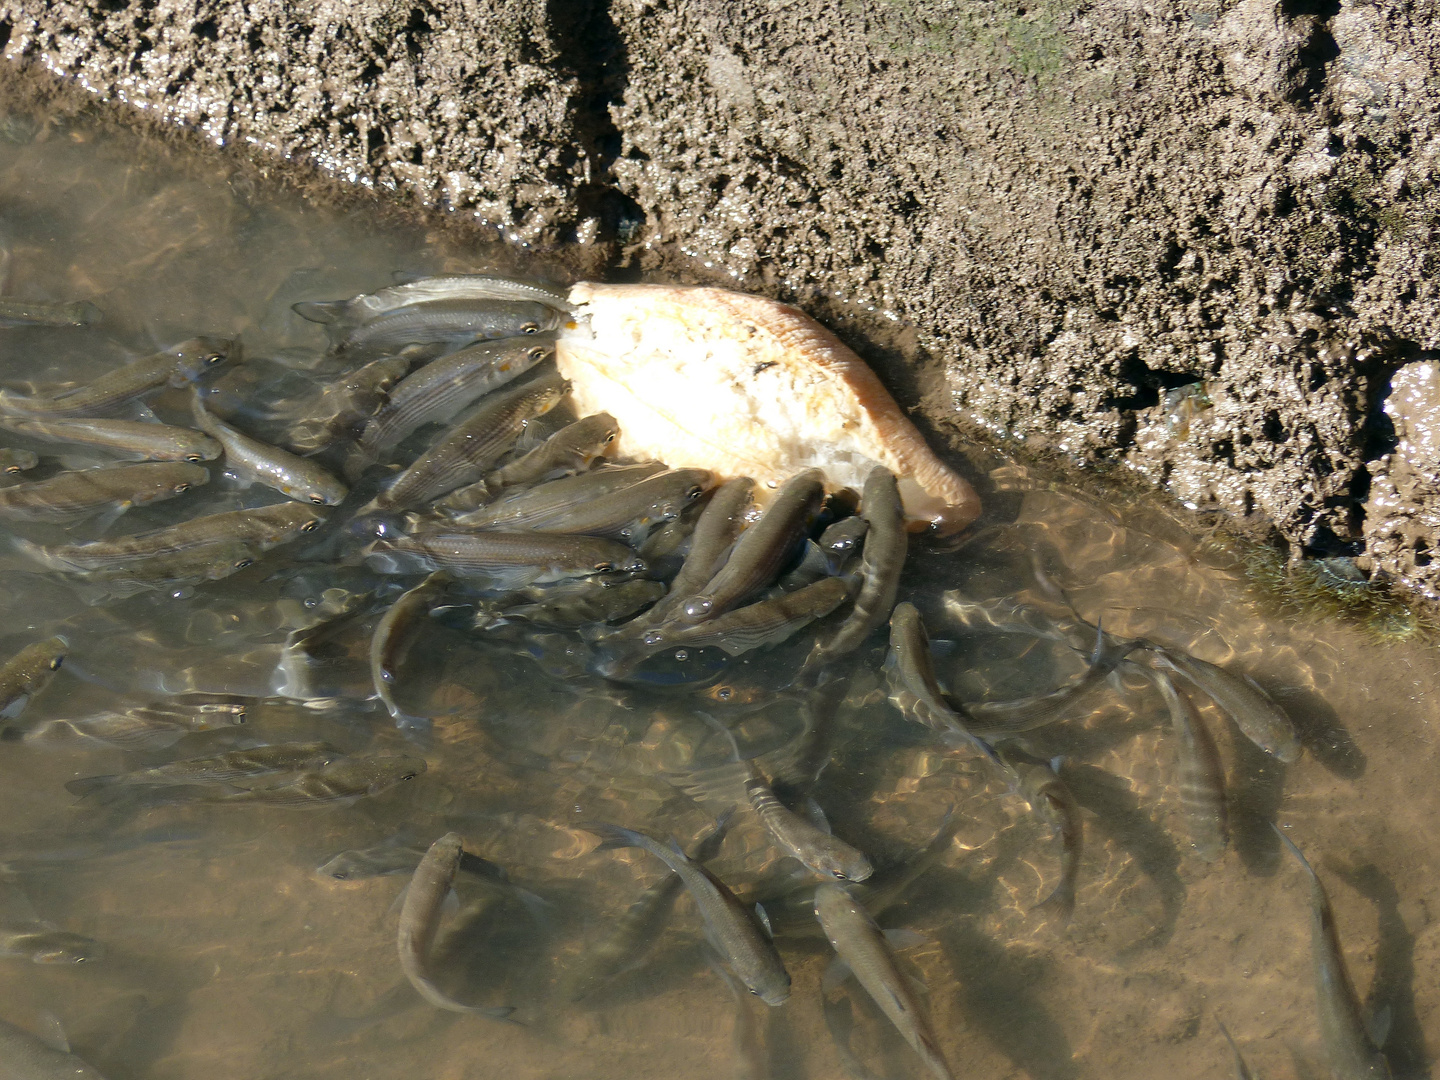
[[1120, 814], [1393, 987], [1257, 788], [995, 987]]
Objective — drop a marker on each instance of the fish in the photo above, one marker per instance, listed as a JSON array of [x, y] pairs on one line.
[[369, 306], [635, 933], [222, 768], [881, 561], [1262, 721], [504, 559], [25, 1057], [574, 604], [42, 313], [910, 667], [626, 515], [816, 847], [1199, 772], [28, 672], [345, 405], [468, 449], [1351, 1051], [17, 461], [445, 322], [159, 724], [1242, 1071], [342, 781], [261, 529], [441, 389], [420, 919], [761, 550], [860, 946], [172, 570], [183, 364], [746, 386], [732, 929], [41, 943], [517, 509], [1040, 784], [71, 496], [124, 438], [256, 462], [392, 857], [572, 449], [393, 635]]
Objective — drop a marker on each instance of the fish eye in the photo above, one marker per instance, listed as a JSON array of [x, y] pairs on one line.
[[194, 458], [604, 567], [311, 525], [241, 564], [55, 663], [409, 776], [724, 693], [81, 959], [756, 993], [12, 468], [318, 500], [214, 358], [530, 328], [179, 488], [610, 438], [694, 493], [537, 353]]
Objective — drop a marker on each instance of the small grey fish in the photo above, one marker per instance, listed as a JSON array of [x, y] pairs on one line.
[[1242, 1071], [574, 604], [1349, 1048], [504, 559], [1254, 713], [637, 931], [42, 943], [441, 389], [627, 514], [817, 848], [731, 928], [386, 859], [570, 450], [220, 769], [517, 509], [393, 635], [183, 364], [173, 570], [464, 453], [71, 496], [24, 1057], [881, 561], [420, 919], [761, 550], [345, 405], [444, 322], [124, 438], [370, 306], [17, 461], [342, 781], [1039, 782], [261, 528], [861, 946], [910, 666], [28, 672], [40, 313], [1199, 772], [256, 462], [159, 724]]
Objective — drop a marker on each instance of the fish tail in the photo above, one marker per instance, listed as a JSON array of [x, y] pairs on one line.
[[320, 311], [89, 785], [38, 553], [1060, 903], [616, 836]]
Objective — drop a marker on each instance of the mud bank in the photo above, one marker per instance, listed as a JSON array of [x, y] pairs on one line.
[[1196, 239]]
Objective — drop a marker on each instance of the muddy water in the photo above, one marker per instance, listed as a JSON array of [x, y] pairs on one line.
[[227, 955]]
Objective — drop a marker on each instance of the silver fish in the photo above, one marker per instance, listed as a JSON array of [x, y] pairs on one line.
[[761, 550], [627, 514], [441, 389], [505, 559], [1242, 1071], [124, 438], [911, 668], [156, 725], [370, 306], [42, 313], [28, 672], [262, 528], [345, 405], [17, 461], [1040, 783], [1199, 772], [173, 570], [517, 509], [571, 605], [443, 322], [468, 449], [222, 768], [881, 561], [256, 462], [817, 848], [71, 496], [1261, 720], [861, 945], [570, 450], [420, 919], [24, 1057], [183, 364], [1351, 1052], [41, 943], [393, 635], [342, 781], [730, 927]]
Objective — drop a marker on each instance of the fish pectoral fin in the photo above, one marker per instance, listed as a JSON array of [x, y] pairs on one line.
[[51, 1032], [764, 920], [816, 815], [1379, 1025], [835, 974], [901, 938]]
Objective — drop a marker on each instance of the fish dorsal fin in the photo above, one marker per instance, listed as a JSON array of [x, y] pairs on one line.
[[835, 974], [1379, 1025], [1056, 762], [815, 815], [901, 938], [764, 920]]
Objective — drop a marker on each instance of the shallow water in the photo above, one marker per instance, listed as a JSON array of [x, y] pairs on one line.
[[227, 955]]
